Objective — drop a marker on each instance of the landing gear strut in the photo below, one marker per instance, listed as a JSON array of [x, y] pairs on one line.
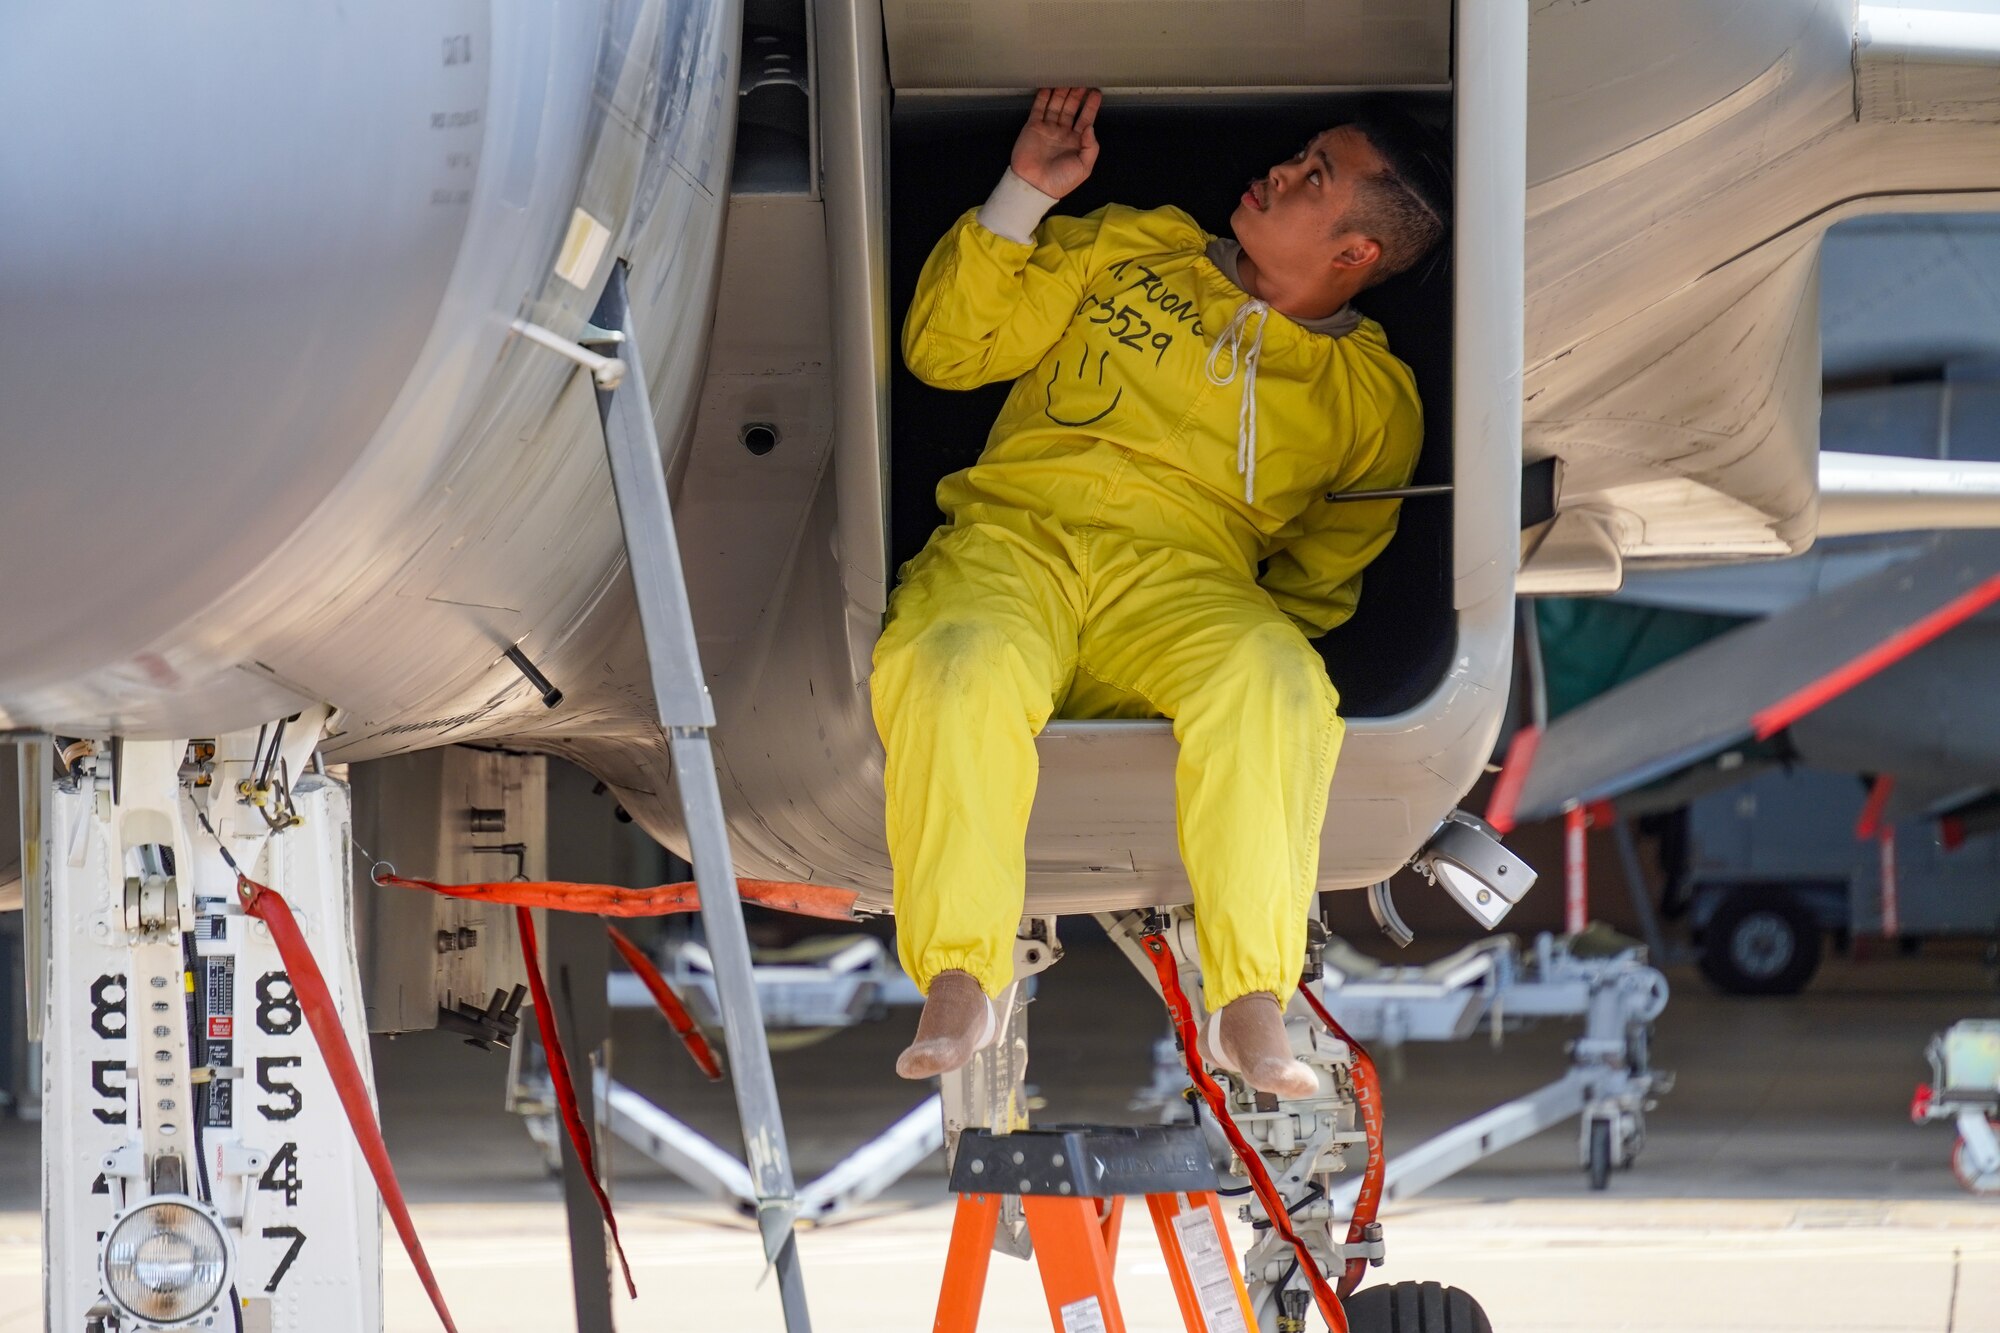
[[1307, 1147], [197, 1167]]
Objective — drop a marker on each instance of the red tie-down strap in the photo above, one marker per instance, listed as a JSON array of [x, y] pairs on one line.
[[323, 1019], [1218, 1104], [1367, 1096], [572, 1114], [818, 900], [670, 1005], [610, 900], [316, 1002]]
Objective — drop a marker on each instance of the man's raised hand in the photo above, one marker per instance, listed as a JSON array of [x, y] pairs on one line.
[[1058, 146]]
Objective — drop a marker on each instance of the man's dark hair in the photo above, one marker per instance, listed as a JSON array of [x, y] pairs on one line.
[[1406, 208]]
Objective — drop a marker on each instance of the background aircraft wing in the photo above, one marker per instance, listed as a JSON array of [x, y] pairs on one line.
[[1750, 683]]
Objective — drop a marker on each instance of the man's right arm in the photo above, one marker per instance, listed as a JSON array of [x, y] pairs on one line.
[[1002, 286]]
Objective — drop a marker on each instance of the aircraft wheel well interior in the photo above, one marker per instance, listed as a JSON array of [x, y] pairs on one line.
[[945, 155]]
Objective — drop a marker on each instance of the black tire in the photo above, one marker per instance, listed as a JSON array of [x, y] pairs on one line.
[[1760, 942], [1600, 1154], [1415, 1307]]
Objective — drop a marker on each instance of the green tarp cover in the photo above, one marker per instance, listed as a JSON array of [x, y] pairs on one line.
[[1590, 645]]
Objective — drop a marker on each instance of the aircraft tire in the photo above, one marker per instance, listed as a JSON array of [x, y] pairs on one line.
[[1760, 941], [1415, 1307], [1600, 1154]]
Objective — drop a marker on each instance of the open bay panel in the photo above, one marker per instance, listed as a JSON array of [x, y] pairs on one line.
[[1422, 666], [1191, 150], [792, 559]]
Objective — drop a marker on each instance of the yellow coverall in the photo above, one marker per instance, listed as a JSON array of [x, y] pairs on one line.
[[1102, 559]]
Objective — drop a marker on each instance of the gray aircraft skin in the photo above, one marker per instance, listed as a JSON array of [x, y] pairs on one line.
[[1910, 325], [270, 442]]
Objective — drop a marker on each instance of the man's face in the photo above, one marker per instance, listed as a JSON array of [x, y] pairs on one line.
[[1291, 220]]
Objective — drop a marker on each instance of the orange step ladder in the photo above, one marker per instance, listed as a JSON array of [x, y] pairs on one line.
[[1073, 1183]]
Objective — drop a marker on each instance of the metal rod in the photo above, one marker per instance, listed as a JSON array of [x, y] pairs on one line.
[[578, 963], [607, 371], [1538, 675], [735, 987], [1642, 898], [639, 482], [877, 1164], [677, 1147], [551, 696], [1415, 1170], [1394, 492]]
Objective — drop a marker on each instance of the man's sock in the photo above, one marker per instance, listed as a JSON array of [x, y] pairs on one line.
[[958, 1020], [1248, 1036]]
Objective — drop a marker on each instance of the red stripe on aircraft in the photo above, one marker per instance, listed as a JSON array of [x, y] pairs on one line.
[[1769, 721], [1513, 776]]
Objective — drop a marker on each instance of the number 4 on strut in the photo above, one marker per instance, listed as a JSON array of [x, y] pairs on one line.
[[281, 1174]]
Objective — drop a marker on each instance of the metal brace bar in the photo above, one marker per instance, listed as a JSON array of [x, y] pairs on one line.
[[855, 1179], [607, 371], [879, 1163], [682, 1150], [1660, 952], [639, 480], [1414, 1171]]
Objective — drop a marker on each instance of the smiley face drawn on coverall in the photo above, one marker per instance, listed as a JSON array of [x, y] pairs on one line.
[[1073, 393]]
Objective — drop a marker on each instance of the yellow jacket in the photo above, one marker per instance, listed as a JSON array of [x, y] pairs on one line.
[[1131, 352]]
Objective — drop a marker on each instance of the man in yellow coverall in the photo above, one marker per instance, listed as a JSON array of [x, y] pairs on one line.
[[1183, 405]]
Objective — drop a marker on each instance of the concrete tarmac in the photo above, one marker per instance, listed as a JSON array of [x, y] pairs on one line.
[[1782, 1188]]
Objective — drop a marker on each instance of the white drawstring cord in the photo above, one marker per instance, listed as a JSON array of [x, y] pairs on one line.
[[1246, 411]]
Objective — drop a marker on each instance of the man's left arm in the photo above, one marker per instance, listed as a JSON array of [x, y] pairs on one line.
[[1316, 577]]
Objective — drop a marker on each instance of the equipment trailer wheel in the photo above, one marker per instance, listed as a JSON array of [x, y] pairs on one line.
[[1600, 1154], [1415, 1307], [1760, 942]]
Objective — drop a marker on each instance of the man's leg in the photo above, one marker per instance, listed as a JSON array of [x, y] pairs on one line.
[[1259, 731], [980, 641]]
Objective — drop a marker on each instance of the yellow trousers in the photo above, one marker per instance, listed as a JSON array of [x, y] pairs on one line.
[[996, 626]]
